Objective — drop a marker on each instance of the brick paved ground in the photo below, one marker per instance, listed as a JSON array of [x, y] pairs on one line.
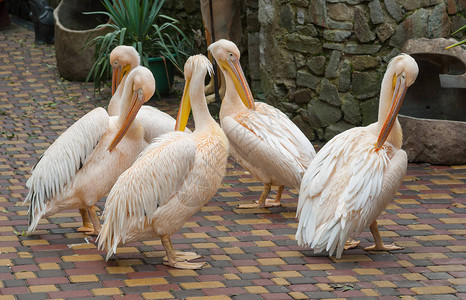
[[249, 254]]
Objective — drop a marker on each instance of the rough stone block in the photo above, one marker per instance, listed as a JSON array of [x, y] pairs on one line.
[[329, 93]]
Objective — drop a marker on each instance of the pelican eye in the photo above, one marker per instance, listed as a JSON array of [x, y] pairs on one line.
[[231, 56]]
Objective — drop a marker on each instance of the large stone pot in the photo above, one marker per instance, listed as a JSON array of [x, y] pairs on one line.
[[72, 30], [433, 115]]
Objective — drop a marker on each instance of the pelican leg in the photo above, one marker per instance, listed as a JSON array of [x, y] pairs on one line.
[[87, 224], [276, 201], [351, 243], [182, 256], [95, 221], [261, 202], [379, 245], [173, 260]]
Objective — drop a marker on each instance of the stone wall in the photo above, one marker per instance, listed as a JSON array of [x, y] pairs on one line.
[[321, 62]]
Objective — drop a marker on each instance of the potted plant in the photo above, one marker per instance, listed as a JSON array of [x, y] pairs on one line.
[[159, 41]]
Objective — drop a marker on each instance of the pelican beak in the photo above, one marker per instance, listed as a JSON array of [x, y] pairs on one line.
[[137, 100], [184, 110], [117, 75], [398, 96], [242, 86]]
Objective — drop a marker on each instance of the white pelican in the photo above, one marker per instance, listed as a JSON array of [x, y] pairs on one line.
[[172, 178], [357, 173], [262, 138], [82, 165], [155, 122]]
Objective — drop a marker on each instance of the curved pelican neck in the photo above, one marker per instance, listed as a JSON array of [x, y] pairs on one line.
[[385, 101], [201, 114], [115, 103], [232, 102]]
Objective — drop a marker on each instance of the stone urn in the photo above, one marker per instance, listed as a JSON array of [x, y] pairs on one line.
[[433, 114], [73, 29]]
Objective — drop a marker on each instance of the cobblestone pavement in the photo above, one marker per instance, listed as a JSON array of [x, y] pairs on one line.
[[250, 254]]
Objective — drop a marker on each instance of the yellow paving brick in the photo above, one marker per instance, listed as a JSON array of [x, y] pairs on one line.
[[434, 196], [324, 287], [7, 249], [289, 253], [24, 275], [341, 279], [248, 211], [419, 187], [384, 283], [405, 263], [433, 290], [5, 262], [288, 215], [392, 206], [228, 239], [196, 235], [49, 266], [287, 274], [84, 278], [179, 272], [368, 271], [459, 190], [440, 211], [446, 181], [386, 222], [43, 288], [260, 232], [414, 276], [220, 297], [211, 208], [270, 261], [447, 268], [280, 281], [106, 291], [214, 218], [85, 257], [220, 257], [256, 289], [230, 194], [317, 267], [351, 258], [233, 250], [407, 216], [388, 233], [8, 238], [253, 221], [7, 297], [439, 237], [408, 244], [420, 227], [161, 253], [370, 292], [427, 255], [458, 231], [190, 224], [231, 276], [458, 281], [202, 285], [265, 244], [457, 248], [119, 270], [145, 281], [298, 295], [248, 269], [453, 220], [205, 245], [157, 295]]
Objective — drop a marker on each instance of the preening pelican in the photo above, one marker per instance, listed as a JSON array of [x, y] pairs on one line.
[[357, 173], [262, 138], [82, 165], [172, 178], [154, 122]]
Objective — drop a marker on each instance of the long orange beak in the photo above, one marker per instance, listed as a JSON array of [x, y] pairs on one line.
[[242, 86], [184, 110], [137, 100], [398, 96], [117, 75]]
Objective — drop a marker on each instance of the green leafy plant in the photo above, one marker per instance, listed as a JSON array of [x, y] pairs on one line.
[[459, 43], [138, 23]]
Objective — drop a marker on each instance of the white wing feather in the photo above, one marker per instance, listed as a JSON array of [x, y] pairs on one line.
[[340, 191], [60, 162], [157, 175]]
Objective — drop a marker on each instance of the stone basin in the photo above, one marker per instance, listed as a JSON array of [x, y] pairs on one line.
[[433, 115]]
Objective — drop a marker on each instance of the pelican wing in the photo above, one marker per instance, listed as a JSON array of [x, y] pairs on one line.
[[267, 130], [149, 183], [66, 156], [340, 191]]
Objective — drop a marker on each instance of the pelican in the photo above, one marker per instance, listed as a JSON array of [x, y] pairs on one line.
[[262, 138], [155, 122], [357, 173], [172, 178], [82, 165]]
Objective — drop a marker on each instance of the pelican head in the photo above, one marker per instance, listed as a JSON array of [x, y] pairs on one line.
[[123, 59], [195, 64], [403, 69], [227, 55], [138, 89]]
